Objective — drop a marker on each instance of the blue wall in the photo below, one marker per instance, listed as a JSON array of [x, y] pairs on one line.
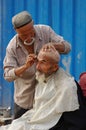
[[66, 17]]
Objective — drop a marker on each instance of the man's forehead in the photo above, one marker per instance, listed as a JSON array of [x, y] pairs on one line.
[[25, 28], [43, 57]]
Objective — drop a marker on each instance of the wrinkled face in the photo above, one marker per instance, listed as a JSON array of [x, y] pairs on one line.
[[27, 32], [46, 65]]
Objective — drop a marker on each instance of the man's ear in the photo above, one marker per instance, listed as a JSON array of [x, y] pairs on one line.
[[56, 67]]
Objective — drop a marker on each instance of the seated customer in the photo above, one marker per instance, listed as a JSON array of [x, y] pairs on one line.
[[56, 101]]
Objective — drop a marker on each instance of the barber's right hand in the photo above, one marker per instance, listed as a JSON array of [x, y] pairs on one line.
[[30, 60]]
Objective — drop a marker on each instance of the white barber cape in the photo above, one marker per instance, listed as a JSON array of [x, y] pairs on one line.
[[57, 95]]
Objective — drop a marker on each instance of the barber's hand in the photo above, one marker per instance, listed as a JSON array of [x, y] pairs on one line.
[[30, 60], [48, 46]]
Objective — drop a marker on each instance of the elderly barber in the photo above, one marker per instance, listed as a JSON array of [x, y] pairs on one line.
[[20, 57]]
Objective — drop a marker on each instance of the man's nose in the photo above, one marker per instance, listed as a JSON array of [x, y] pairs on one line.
[[38, 66]]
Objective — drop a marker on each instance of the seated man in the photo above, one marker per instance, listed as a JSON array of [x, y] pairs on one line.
[[55, 98]]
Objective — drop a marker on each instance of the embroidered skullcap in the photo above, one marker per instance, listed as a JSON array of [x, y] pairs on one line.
[[21, 19], [50, 52]]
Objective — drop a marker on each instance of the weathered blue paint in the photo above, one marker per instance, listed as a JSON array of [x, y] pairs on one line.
[[66, 17]]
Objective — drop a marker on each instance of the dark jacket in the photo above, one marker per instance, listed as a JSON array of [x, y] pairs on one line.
[[74, 120]]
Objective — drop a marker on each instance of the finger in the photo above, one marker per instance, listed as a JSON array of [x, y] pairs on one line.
[[33, 56]]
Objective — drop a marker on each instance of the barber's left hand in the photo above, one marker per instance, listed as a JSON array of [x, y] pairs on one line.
[[48, 46]]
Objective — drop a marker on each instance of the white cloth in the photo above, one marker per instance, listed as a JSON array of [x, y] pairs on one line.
[[53, 98]]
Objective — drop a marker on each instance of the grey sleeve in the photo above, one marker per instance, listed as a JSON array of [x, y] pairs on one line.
[[59, 39], [9, 65]]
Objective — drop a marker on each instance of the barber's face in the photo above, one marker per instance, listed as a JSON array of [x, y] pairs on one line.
[[26, 33], [45, 65]]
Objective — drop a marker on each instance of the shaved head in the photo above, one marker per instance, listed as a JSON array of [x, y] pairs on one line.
[[51, 53]]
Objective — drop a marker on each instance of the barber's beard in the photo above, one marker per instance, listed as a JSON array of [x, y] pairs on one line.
[[40, 77]]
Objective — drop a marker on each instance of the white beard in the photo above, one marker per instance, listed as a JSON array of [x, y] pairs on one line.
[[40, 77]]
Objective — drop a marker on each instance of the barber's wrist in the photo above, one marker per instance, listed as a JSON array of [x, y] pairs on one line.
[[64, 48], [25, 66], [20, 70]]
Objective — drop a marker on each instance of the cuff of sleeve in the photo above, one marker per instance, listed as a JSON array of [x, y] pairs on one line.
[[12, 73], [67, 47]]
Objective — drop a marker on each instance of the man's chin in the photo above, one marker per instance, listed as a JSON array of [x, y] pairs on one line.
[[40, 77]]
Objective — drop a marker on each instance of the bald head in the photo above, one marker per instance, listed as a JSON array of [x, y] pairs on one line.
[[51, 53]]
